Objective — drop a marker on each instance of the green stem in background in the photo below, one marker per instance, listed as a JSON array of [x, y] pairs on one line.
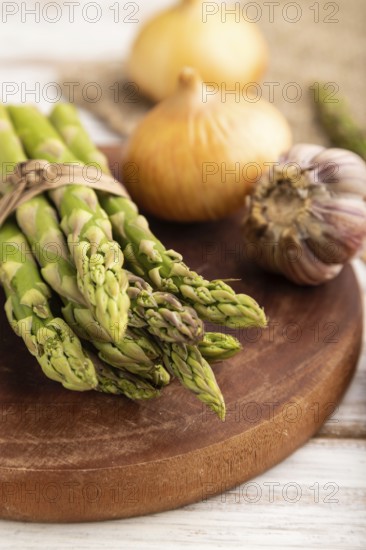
[[49, 339], [98, 259], [214, 301], [338, 122]]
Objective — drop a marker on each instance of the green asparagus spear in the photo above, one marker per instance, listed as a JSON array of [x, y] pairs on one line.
[[114, 381], [65, 119], [216, 346], [11, 148], [98, 259], [150, 371], [55, 346], [135, 353], [184, 361], [49, 339], [338, 122], [162, 314], [213, 300], [39, 222], [195, 374]]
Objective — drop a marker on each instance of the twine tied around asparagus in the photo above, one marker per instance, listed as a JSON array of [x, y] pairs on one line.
[[33, 177]]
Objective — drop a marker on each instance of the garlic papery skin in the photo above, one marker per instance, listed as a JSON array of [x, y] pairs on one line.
[[195, 160], [307, 215], [222, 46]]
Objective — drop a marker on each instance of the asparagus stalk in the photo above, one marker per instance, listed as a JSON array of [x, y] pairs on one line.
[[167, 318], [39, 222], [123, 359], [214, 301], [49, 339], [216, 346], [135, 353], [183, 361], [114, 381], [11, 148], [338, 122], [195, 374], [98, 259], [57, 349], [162, 314], [65, 118]]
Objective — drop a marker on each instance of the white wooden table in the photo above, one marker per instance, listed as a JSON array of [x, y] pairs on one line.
[[314, 499]]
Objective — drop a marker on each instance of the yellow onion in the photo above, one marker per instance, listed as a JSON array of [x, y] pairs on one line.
[[222, 46], [193, 160]]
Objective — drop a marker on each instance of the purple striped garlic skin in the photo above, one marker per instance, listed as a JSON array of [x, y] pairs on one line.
[[307, 215]]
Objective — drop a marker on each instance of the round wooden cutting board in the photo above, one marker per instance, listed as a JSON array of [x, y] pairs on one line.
[[66, 456]]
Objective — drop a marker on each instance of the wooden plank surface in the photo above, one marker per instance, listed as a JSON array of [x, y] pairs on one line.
[[311, 500], [349, 418]]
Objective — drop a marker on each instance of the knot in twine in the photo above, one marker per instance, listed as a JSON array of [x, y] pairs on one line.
[[33, 177]]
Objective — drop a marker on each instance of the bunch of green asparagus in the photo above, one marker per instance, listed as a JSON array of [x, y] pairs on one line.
[[83, 272]]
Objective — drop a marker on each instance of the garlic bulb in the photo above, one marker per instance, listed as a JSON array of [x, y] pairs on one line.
[[195, 160], [208, 36], [307, 216]]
